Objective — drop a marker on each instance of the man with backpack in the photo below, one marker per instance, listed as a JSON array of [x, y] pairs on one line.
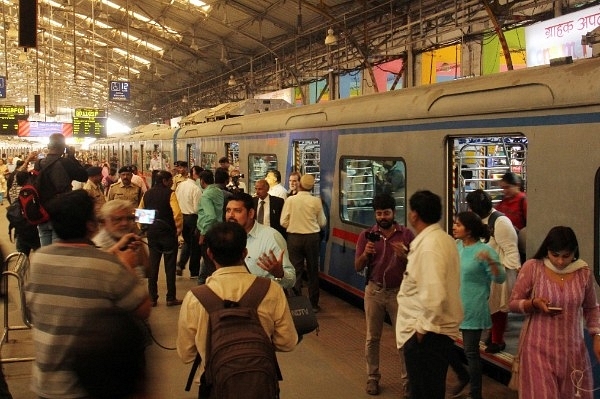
[[235, 322], [54, 175]]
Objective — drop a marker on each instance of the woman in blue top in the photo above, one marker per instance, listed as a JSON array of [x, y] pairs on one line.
[[479, 267]]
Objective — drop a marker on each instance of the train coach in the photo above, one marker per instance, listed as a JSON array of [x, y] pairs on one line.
[[542, 123]]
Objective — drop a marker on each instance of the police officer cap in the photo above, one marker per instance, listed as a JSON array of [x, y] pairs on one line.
[[126, 169], [94, 171]]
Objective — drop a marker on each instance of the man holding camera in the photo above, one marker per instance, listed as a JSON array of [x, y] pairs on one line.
[[381, 251], [235, 185]]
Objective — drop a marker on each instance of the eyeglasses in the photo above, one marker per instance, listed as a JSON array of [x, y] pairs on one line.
[[119, 219]]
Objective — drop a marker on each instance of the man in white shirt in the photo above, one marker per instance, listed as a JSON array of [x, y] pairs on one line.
[[429, 307], [188, 195], [156, 164], [276, 188]]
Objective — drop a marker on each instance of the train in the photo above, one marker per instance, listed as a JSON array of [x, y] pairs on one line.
[[542, 123]]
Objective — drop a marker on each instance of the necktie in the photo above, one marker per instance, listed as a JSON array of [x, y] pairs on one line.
[[261, 212]]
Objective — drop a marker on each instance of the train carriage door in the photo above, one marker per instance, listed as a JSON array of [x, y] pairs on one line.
[[191, 154], [232, 151], [480, 162], [307, 160]]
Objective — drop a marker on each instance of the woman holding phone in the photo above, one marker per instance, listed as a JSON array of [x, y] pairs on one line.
[[556, 290]]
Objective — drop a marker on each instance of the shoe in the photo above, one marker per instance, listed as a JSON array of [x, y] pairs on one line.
[[455, 392], [174, 302], [372, 387], [317, 309], [495, 348], [178, 271]]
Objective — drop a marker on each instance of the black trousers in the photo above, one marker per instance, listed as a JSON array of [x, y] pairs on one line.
[[427, 365], [191, 249]]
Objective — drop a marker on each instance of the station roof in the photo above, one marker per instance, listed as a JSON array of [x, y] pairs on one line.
[[180, 56]]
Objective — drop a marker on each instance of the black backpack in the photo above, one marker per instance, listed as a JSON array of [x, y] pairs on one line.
[[16, 220], [241, 361], [29, 196]]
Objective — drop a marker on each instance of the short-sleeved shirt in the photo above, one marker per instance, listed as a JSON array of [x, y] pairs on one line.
[[66, 284], [132, 192]]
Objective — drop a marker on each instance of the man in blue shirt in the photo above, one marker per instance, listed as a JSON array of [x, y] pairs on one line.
[[267, 250]]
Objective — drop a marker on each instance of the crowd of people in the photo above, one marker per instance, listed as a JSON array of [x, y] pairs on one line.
[[230, 238]]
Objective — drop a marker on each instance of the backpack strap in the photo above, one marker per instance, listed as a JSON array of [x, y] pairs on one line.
[[256, 293], [492, 220], [207, 298]]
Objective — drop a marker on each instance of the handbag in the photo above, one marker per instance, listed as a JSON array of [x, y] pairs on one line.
[[305, 319]]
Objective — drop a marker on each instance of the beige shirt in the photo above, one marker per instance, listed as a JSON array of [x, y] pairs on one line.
[[96, 193], [232, 283], [303, 214], [132, 193]]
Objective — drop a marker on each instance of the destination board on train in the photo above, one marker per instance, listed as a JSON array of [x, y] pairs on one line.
[[9, 118], [89, 122]]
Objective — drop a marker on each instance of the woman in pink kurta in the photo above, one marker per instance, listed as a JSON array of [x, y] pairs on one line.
[[554, 359]]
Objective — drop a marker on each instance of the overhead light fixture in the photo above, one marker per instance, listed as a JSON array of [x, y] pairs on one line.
[[231, 81], [23, 57], [184, 100], [330, 39]]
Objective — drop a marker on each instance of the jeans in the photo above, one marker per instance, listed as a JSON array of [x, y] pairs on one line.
[[191, 248], [47, 234], [207, 267], [378, 301], [471, 340]]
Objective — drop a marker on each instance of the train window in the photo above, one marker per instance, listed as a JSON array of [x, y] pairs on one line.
[[307, 160], [233, 153], [259, 165], [208, 160], [363, 178], [480, 162]]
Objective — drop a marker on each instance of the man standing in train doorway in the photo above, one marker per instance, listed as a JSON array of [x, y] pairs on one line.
[[303, 217], [381, 251], [429, 307], [156, 165]]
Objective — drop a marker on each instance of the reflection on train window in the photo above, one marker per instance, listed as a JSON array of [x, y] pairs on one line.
[[307, 161], [233, 153], [259, 165], [208, 160], [363, 178], [480, 162]]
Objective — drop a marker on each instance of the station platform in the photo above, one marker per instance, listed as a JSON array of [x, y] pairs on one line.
[[328, 365]]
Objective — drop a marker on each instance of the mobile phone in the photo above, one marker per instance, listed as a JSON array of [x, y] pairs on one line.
[[554, 309], [145, 216]]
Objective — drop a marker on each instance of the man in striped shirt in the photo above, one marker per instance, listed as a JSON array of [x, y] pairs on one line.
[[71, 280]]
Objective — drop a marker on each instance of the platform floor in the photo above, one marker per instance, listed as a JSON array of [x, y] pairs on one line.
[[328, 365]]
